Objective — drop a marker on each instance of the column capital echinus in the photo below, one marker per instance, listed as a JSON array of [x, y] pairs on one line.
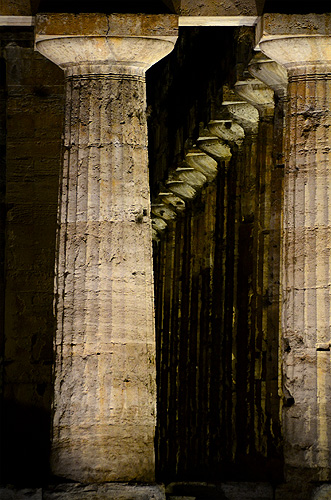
[[127, 44], [301, 43]]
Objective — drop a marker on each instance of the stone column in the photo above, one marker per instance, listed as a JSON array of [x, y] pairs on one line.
[[104, 373], [303, 45]]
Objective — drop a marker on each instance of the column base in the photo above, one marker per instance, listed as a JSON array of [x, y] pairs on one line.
[[75, 491]]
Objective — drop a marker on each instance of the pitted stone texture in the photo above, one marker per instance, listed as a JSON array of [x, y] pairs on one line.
[[306, 290], [104, 402]]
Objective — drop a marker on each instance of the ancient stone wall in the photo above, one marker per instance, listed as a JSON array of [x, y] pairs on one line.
[[33, 119]]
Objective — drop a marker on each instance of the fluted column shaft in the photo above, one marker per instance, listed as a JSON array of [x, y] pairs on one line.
[[307, 273], [306, 281], [104, 400], [104, 375]]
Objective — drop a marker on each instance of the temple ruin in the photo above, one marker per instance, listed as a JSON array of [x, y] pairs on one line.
[[165, 250]]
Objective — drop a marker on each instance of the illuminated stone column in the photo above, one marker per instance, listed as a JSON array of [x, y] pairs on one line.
[[303, 45], [105, 397]]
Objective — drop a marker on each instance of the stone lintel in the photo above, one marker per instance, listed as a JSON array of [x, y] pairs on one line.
[[127, 25], [225, 20], [16, 20]]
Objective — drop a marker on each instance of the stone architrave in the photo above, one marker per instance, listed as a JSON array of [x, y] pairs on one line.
[[302, 44], [104, 373]]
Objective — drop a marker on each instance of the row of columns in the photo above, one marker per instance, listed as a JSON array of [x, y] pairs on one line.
[[105, 398]]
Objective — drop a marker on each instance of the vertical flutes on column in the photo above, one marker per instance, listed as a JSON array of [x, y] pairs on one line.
[[104, 373], [304, 48]]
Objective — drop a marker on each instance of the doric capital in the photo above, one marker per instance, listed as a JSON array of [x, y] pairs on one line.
[[296, 41], [101, 43], [227, 130], [244, 114], [215, 147], [257, 94], [269, 72]]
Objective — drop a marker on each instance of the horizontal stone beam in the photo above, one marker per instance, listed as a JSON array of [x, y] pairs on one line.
[[217, 20], [182, 20], [17, 20]]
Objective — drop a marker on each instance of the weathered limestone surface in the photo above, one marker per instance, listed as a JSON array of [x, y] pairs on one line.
[[104, 397], [105, 387], [91, 25], [303, 47]]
